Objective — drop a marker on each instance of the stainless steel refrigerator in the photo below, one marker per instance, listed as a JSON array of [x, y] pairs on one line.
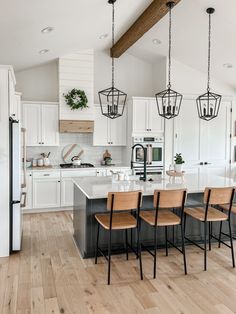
[[15, 185]]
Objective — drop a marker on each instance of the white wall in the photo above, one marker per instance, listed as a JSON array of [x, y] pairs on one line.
[[76, 71], [132, 75], [39, 83]]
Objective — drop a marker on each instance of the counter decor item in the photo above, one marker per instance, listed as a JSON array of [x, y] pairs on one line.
[[178, 162], [107, 158], [40, 162], [76, 99]]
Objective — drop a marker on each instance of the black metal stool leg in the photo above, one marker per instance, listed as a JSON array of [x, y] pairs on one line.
[[166, 238], [209, 231], [109, 258], [231, 244], [220, 234], [139, 248], [205, 245], [185, 218], [126, 244], [183, 249], [155, 252], [96, 252]]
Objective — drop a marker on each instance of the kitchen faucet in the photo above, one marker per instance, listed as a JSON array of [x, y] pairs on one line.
[[144, 177]]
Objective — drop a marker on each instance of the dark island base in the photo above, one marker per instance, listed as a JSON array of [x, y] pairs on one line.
[[85, 226]]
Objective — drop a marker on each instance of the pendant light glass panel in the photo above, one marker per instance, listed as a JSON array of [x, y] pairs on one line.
[[169, 101], [112, 100]]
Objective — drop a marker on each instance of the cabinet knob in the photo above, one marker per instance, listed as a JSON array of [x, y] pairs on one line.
[[42, 143], [58, 181]]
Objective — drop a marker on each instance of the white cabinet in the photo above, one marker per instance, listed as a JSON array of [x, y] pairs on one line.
[[46, 190], [145, 117], [41, 123], [202, 142], [109, 132], [15, 103], [67, 185]]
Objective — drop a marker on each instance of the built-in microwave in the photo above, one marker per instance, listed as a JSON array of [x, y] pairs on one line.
[[155, 151]]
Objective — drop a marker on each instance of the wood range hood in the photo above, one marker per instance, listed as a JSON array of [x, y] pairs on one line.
[[76, 126]]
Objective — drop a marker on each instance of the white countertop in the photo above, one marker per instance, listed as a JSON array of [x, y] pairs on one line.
[[96, 167], [98, 187]]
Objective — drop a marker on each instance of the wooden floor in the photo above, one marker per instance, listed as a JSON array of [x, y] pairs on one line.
[[48, 276]]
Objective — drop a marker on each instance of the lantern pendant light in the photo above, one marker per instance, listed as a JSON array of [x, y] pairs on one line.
[[169, 101], [112, 100], [208, 104]]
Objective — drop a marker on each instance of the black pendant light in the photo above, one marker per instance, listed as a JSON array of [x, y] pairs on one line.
[[169, 101], [208, 104], [112, 100]]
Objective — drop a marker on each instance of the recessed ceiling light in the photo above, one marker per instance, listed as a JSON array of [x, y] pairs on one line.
[[228, 65], [43, 51], [103, 36], [47, 30], [156, 41]]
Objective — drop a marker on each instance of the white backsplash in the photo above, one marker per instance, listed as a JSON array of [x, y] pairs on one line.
[[92, 154]]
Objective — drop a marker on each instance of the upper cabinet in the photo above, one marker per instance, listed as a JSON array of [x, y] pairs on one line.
[[145, 117], [202, 142], [108, 132], [41, 123]]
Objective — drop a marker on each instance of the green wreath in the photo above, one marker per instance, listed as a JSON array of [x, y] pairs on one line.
[[76, 99]]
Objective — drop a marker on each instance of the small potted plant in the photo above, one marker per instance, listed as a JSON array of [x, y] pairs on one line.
[[178, 162]]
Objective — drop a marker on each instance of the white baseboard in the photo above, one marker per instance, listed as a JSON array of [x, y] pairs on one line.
[[46, 210]]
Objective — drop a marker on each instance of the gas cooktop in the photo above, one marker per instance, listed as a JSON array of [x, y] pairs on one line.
[[82, 165]]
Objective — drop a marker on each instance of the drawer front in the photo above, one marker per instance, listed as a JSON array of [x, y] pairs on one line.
[[47, 174], [80, 173]]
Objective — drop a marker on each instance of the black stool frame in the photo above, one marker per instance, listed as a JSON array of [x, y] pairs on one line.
[[208, 225], [154, 254], [127, 245]]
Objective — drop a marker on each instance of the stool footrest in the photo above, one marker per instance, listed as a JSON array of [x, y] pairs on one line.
[[221, 240], [193, 242], [176, 247]]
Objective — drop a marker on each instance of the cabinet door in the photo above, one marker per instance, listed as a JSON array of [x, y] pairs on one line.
[[67, 192], [155, 122], [50, 133], [32, 123], [187, 135], [100, 135], [216, 139], [140, 116], [117, 128], [46, 193]]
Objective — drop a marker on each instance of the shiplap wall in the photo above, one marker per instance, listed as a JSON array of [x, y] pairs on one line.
[[76, 71]]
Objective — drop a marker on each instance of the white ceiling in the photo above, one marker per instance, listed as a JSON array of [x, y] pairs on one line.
[[79, 23]]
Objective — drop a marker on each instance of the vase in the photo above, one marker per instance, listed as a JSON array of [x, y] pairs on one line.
[[178, 167]]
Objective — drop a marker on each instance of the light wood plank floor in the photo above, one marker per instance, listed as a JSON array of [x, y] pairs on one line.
[[48, 276]]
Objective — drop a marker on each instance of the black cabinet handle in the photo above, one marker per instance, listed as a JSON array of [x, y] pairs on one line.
[[201, 163]]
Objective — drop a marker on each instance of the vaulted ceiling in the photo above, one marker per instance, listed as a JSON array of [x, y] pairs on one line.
[[79, 23]]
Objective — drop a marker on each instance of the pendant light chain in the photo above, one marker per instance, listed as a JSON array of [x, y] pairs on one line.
[[170, 41], [113, 42], [209, 54]]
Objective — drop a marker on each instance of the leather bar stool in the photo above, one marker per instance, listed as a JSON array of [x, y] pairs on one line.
[[162, 216], [213, 198], [120, 205]]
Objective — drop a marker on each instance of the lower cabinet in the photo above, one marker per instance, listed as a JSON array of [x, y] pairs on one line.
[[55, 189], [46, 190]]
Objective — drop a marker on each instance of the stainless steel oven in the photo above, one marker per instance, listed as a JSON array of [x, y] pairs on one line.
[[155, 151]]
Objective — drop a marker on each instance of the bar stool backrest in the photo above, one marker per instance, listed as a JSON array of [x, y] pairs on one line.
[[169, 198], [218, 196], [119, 201]]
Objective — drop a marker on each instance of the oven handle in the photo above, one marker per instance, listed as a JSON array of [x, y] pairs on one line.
[[149, 154]]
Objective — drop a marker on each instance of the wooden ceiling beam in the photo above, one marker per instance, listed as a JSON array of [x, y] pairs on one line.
[[153, 14]]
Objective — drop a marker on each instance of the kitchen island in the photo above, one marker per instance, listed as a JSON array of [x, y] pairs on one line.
[[90, 196]]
